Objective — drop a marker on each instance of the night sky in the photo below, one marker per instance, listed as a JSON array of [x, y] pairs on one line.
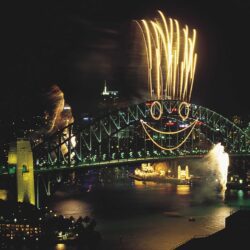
[[79, 44]]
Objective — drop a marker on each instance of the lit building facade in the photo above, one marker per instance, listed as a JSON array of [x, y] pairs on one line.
[[109, 99], [19, 231], [109, 95], [183, 174]]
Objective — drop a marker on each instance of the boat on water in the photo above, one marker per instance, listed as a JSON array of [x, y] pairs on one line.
[[159, 179], [191, 219], [136, 177], [152, 173]]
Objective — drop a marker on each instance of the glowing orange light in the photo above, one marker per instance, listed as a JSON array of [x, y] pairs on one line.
[[180, 109], [155, 104]]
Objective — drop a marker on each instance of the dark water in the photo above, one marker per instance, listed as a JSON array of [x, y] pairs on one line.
[[134, 216]]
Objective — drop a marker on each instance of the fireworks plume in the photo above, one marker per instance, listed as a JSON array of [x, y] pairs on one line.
[[171, 58], [59, 116], [219, 161]]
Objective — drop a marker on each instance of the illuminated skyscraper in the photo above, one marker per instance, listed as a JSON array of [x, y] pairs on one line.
[[108, 95]]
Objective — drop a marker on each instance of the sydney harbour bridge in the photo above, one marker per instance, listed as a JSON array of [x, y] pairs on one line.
[[167, 126], [119, 138]]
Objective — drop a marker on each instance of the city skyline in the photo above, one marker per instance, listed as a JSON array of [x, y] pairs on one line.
[[79, 47]]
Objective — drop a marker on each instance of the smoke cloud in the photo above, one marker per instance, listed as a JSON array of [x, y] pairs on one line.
[[59, 115]]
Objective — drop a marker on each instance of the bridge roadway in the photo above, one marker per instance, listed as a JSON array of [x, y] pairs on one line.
[[116, 162]]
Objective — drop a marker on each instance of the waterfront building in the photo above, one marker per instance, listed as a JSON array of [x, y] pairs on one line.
[[183, 174], [235, 181], [14, 230]]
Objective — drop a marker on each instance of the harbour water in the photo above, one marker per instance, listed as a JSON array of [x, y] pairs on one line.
[[132, 215]]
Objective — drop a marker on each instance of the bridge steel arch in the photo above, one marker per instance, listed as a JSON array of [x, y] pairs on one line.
[[118, 137]]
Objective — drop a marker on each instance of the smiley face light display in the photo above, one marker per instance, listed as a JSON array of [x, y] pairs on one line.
[[157, 116]]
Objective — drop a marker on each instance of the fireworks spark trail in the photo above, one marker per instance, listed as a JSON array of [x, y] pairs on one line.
[[171, 58], [148, 55], [149, 49]]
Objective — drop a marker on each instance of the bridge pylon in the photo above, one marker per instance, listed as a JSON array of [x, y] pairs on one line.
[[21, 155]]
